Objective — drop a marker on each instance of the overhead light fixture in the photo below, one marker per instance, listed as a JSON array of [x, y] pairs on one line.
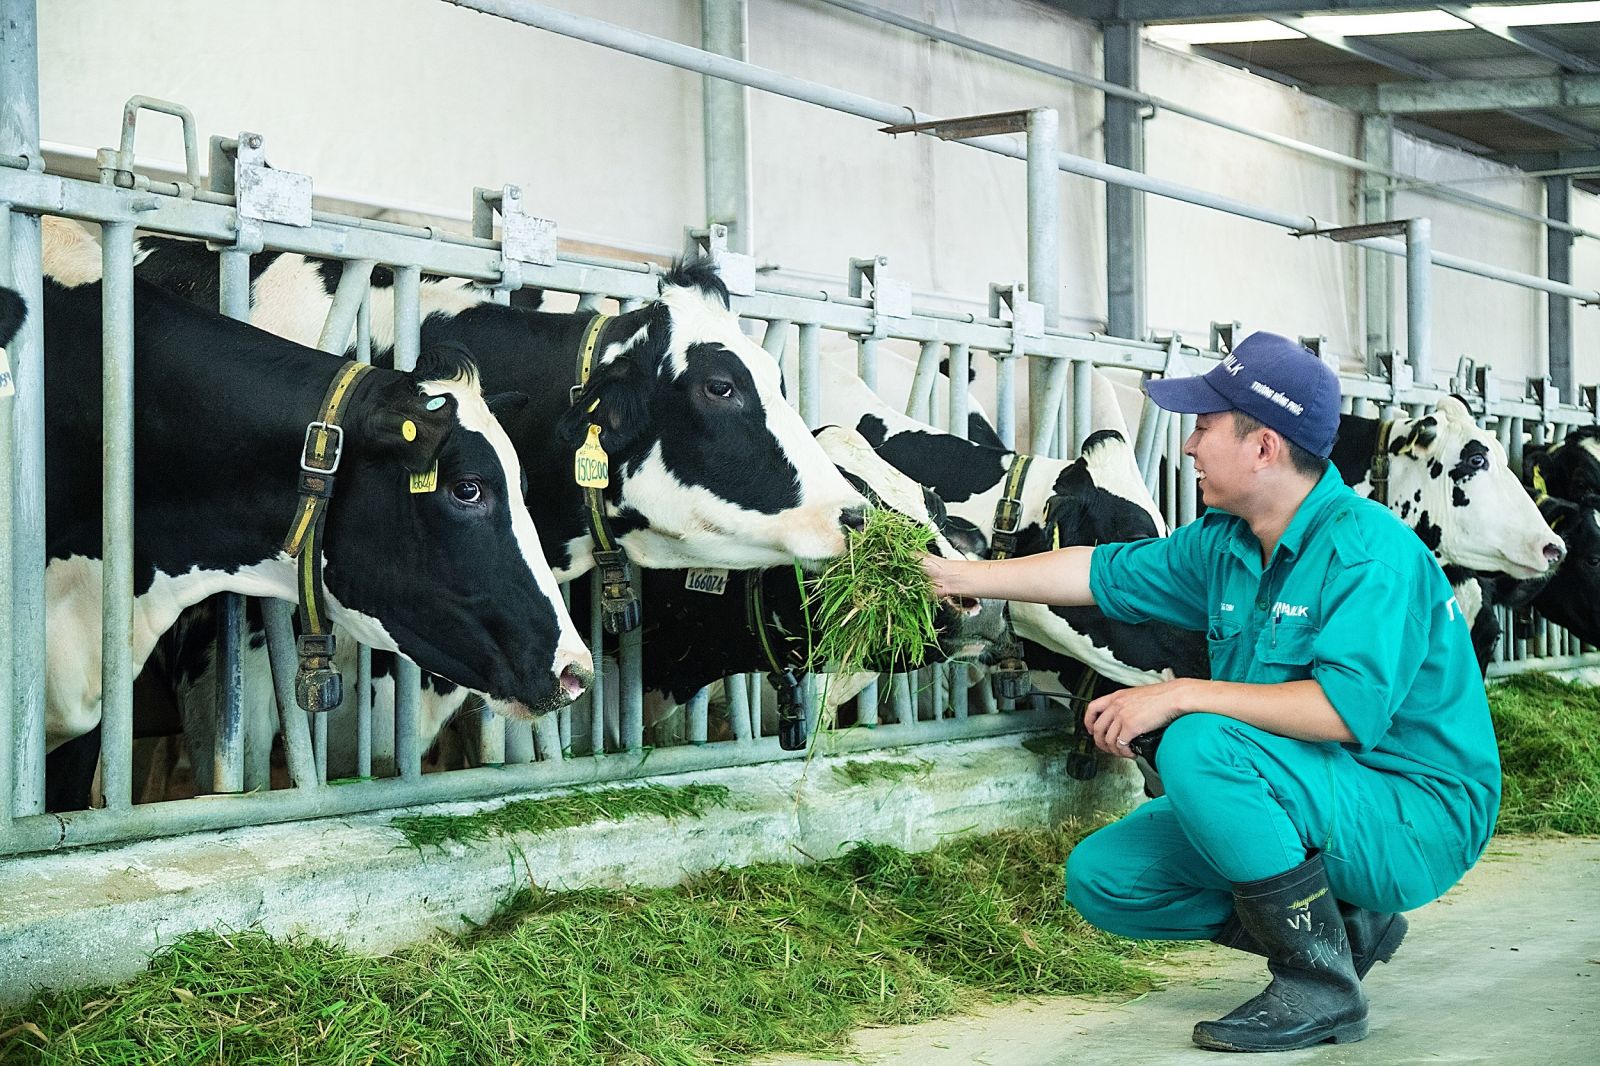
[[1384, 23], [1237, 32], [1536, 14]]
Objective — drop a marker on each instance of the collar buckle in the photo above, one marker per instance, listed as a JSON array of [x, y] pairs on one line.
[[309, 460]]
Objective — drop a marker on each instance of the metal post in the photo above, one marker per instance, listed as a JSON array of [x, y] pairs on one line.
[[1419, 301], [630, 681], [1558, 244], [364, 710], [1044, 237], [8, 490], [116, 641], [697, 710], [958, 400], [1124, 147], [597, 687], [724, 29], [296, 730], [1187, 486], [1377, 146], [810, 372], [228, 752], [919, 401], [1082, 406], [1005, 399], [19, 136], [408, 677]]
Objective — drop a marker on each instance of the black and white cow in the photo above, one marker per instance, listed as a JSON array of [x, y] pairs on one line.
[[1571, 598], [697, 633], [1569, 470], [455, 578], [1098, 496]]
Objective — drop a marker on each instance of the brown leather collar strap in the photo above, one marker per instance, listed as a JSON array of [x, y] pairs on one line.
[[1380, 464]]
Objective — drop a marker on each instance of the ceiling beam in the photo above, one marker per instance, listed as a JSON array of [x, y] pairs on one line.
[[1475, 94], [1358, 46], [1190, 10], [1542, 161], [1526, 39]]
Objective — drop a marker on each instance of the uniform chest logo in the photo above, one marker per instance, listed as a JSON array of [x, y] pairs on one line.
[[1290, 610]]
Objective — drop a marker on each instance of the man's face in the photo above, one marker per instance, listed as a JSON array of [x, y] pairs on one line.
[[1223, 462]]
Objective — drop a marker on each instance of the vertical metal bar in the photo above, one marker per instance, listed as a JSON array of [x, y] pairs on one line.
[[1082, 405], [901, 700], [738, 694], [1377, 147], [364, 708], [590, 301], [1005, 399], [1047, 404], [698, 708], [755, 687], [296, 731], [810, 376], [1144, 448], [8, 488], [1419, 300], [1124, 147], [1044, 235], [345, 309], [1558, 267], [867, 362], [1514, 444], [1061, 446], [408, 677], [116, 643], [919, 401], [958, 689], [548, 744], [19, 135], [492, 729], [630, 681], [519, 742], [867, 704], [597, 687], [724, 29], [776, 338], [959, 400], [228, 773], [319, 746], [1169, 501]]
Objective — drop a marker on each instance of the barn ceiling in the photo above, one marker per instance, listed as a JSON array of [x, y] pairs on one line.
[[1515, 82]]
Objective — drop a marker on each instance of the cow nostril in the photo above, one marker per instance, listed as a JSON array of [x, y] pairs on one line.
[[853, 518], [1554, 553], [573, 682]]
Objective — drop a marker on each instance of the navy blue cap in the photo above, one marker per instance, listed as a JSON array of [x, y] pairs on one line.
[[1274, 380]]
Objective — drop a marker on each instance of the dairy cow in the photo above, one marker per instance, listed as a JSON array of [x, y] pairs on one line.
[[453, 577]]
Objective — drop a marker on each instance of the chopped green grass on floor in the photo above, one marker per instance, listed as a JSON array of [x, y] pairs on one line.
[[732, 964], [560, 812], [1549, 732], [861, 771]]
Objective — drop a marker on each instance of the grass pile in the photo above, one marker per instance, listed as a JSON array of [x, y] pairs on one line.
[[854, 772], [734, 963], [873, 605], [1549, 733], [560, 812]]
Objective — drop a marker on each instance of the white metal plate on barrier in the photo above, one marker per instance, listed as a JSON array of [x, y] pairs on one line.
[[1403, 376], [527, 238], [738, 272], [892, 298], [273, 195], [1027, 317]]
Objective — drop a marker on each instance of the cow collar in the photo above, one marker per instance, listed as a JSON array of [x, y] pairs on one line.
[[591, 469], [317, 685], [781, 667], [1380, 463], [1009, 675]]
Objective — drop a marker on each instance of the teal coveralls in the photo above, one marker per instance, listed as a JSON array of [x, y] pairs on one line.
[[1352, 598]]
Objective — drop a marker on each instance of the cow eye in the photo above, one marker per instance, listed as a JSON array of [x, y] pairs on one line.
[[719, 388], [467, 491], [1478, 462]]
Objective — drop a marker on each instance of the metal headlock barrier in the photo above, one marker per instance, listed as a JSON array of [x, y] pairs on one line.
[[246, 206]]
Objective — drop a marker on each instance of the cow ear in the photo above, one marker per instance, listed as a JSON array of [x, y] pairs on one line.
[[408, 424], [617, 399], [1420, 440], [1063, 516], [507, 405]]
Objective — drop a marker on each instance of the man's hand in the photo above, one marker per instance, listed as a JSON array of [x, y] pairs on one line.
[[1114, 720]]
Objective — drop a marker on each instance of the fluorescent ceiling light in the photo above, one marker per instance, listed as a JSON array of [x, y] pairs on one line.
[[1386, 22], [1222, 32], [1536, 14]]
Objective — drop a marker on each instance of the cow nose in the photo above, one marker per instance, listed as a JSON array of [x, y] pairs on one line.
[[853, 518], [573, 682], [1554, 552]]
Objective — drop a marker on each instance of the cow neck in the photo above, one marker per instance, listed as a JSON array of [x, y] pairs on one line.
[[1009, 673], [1380, 463], [591, 469], [318, 686], [781, 665]]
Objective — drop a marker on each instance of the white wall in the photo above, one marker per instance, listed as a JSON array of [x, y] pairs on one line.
[[410, 103]]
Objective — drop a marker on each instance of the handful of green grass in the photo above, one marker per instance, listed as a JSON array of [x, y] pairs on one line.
[[874, 604]]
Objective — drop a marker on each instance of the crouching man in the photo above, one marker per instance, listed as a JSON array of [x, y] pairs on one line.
[[1341, 768]]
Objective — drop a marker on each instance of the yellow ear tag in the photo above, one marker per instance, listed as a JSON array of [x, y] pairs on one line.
[[408, 430], [426, 481], [1539, 490], [591, 466], [1055, 536]]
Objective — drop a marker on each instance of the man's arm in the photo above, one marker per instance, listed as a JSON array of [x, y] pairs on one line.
[[1059, 577], [1297, 709]]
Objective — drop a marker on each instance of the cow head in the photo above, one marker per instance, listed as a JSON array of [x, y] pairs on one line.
[[1572, 597], [716, 468], [1448, 480], [1101, 499], [449, 571], [965, 630], [1569, 470]]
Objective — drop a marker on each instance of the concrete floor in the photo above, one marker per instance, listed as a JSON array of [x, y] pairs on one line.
[[1504, 969]]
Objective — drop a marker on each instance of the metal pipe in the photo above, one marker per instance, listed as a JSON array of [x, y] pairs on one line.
[[228, 752], [1377, 139], [1558, 265], [725, 110], [738, 694], [1187, 485], [1082, 405], [492, 731], [364, 708], [296, 730], [81, 828], [698, 711], [1125, 218], [1005, 399], [345, 308], [630, 681], [631, 41], [520, 747], [8, 478], [116, 574], [958, 399], [1419, 300], [25, 661], [810, 372], [1044, 212], [597, 687], [919, 401], [1157, 103], [408, 676]]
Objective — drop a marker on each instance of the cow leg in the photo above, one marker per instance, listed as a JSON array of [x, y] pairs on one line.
[[69, 773]]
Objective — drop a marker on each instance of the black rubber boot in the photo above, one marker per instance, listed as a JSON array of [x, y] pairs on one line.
[[1315, 995], [1374, 936]]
